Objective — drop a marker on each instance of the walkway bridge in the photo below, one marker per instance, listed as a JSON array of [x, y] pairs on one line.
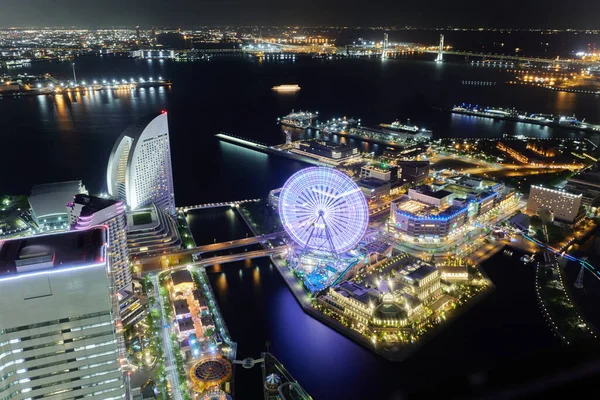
[[231, 204], [156, 267]]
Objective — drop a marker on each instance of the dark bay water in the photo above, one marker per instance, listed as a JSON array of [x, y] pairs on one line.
[[61, 138]]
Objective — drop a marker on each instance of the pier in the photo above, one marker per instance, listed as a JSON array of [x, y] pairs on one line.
[[268, 149], [522, 117]]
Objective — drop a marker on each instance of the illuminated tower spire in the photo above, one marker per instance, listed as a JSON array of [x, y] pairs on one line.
[[440, 56], [386, 42]]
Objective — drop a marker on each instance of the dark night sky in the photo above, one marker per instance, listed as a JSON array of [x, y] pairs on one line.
[[424, 13]]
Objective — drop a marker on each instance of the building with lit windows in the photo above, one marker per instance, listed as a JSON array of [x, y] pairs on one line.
[[372, 171], [86, 211], [423, 282], [566, 207], [58, 316], [139, 168], [354, 301]]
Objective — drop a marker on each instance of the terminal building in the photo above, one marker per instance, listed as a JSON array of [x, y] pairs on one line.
[[139, 168], [330, 150], [48, 201], [58, 313], [86, 211], [564, 206]]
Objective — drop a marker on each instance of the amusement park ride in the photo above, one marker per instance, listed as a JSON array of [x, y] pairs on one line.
[[326, 215]]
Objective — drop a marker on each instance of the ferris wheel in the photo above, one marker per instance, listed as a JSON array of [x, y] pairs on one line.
[[323, 209]]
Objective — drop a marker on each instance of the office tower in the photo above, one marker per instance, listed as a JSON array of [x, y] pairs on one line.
[[139, 168], [57, 318], [48, 201], [86, 211]]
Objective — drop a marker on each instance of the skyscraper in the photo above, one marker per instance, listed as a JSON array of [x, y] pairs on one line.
[[58, 337], [86, 211], [139, 168]]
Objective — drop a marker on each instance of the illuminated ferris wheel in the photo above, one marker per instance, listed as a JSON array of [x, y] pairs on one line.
[[323, 209]]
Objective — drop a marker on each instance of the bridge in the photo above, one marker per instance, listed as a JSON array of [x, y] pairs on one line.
[[156, 267], [232, 243], [147, 262], [501, 56], [216, 205]]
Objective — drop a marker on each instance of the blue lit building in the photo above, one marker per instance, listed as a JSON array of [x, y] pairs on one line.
[[430, 215]]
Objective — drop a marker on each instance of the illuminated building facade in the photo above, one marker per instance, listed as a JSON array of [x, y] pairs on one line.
[[565, 206], [423, 282], [454, 273], [427, 217], [86, 211], [354, 301], [58, 337], [139, 168], [434, 215]]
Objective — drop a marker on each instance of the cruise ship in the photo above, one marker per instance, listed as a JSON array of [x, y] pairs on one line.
[[300, 119], [286, 88], [397, 126]]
